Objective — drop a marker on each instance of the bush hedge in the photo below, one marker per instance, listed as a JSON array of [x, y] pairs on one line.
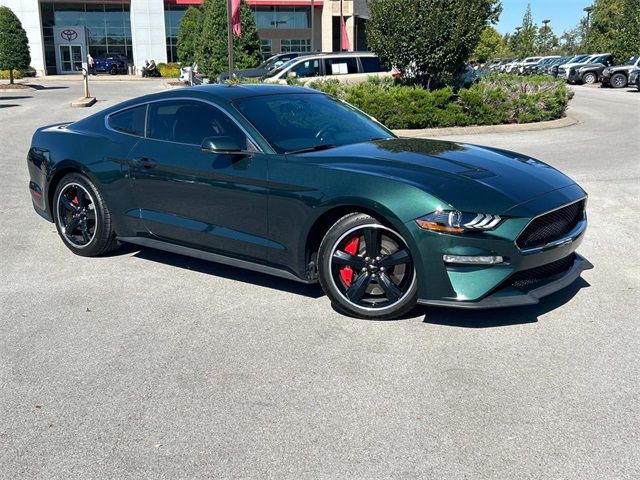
[[4, 74], [496, 99], [169, 69]]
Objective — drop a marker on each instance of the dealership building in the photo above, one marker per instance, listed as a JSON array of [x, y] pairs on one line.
[[61, 33]]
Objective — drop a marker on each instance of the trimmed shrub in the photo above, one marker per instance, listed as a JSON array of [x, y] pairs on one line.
[[496, 99], [4, 74], [169, 69]]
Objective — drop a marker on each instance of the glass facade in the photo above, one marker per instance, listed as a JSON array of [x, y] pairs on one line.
[[172, 16], [282, 17], [265, 48], [295, 45], [108, 27]]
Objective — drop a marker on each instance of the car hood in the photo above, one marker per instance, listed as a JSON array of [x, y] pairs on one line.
[[621, 68], [467, 177], [590, 65], [570, 65]]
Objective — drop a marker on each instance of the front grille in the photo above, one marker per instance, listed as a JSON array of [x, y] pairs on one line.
[[533, 276], [551, 226]]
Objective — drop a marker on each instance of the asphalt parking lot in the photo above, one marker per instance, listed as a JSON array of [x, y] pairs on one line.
[[146, 364]]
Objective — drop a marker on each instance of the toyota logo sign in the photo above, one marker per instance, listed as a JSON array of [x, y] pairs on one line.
[[69, 34]]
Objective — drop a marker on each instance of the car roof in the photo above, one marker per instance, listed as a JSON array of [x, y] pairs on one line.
[[221, 94]]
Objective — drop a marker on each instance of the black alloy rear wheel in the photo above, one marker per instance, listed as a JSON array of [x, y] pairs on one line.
[[82, 218], [366, 269]]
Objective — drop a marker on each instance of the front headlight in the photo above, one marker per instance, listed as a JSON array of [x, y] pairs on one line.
[[452, 221]]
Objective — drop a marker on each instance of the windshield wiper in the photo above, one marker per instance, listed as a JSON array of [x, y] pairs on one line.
[[315, 148]]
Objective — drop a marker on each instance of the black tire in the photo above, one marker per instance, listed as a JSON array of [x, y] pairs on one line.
[[589, 78], [82, 217], [113, 70], [618, 80], [377, 287]]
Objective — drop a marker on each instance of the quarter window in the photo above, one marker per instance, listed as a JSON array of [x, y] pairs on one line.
[[190, 122], [129, 121], [371, 65], [340, 66]]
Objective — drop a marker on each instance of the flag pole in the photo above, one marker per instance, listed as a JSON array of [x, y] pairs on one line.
[[230, 39], [313, 36]]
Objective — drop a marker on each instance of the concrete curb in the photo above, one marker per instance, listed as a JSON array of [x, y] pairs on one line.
[[515, 127], [83, 102]]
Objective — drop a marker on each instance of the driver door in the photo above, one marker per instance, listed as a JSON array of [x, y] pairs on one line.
[[194, 197]]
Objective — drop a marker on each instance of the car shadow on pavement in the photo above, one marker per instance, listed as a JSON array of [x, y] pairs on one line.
[[224, 271], [9, 105], [502, 317], [15, 97], [42, 87]]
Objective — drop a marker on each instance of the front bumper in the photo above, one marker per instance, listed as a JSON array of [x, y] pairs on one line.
[[514, 297], [489, 286]]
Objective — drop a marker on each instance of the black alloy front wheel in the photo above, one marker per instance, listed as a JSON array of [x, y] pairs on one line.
[[618, 80], [366, 269], [82, 218]]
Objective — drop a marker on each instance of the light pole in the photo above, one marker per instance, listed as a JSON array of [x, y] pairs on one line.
[[588, 9], [545, 37]]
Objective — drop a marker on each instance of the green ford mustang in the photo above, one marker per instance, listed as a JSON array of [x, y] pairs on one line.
[[292, 182]]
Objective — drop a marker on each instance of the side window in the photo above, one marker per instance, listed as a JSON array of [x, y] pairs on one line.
[[130, 121], [340, 66], [190, 122], [371, 65], [308, 68]]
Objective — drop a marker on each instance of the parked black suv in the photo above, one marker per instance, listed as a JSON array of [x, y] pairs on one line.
[[590, 72]]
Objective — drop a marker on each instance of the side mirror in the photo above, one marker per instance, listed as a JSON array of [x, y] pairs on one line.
[[227, 145]]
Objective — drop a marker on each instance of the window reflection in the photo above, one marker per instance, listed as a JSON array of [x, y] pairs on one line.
[[282, 17], [108, 27]]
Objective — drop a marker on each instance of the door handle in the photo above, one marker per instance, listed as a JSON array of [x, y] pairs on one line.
[[144, 162]]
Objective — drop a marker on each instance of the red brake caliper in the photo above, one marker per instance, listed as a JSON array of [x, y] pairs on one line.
[[346, 273]]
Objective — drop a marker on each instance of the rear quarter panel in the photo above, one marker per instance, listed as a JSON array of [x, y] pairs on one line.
[[59, 149]]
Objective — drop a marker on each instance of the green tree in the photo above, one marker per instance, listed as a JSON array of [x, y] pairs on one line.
[[211, 53], [630, 31], [572, 41], [546, 41], [526, 37], [490, 46], [432, 39], [14, 45], [189, 34], [615, 28]]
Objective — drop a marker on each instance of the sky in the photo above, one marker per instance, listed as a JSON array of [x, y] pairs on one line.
[[564, 14]]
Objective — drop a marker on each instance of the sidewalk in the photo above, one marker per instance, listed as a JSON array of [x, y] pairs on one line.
[[92, 78]]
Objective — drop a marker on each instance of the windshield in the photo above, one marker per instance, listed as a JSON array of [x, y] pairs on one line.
[[579, 58], [307, 120], [633, 60], [285, 65]]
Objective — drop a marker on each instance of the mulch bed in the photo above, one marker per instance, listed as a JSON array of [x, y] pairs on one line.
[[15, 86]]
